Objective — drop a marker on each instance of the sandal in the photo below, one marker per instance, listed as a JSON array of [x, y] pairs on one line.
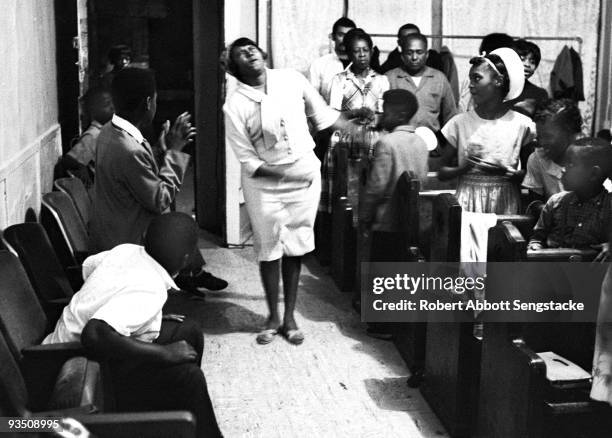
[[294, 336], [266, 336]]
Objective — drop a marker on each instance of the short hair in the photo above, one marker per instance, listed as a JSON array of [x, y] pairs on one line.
[[499, 65], [131, 86], [495, 41], [232, 67], [356, 35], [169, 237], [115, 53], [404, 99], [408, 26], [415, 36], [595, 152], [343, 22], [91, 96], [524, 48], [563, 112]]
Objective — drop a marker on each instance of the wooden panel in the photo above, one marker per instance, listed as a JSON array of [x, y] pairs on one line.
[[210, 147]]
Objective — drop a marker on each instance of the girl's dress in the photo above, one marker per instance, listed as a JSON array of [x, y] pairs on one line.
[[496, 141], [271, 128]]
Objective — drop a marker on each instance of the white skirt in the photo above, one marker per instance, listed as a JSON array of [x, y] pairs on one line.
[[282, 213]]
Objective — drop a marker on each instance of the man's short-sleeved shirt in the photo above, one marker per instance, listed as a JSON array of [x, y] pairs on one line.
[[322, 71], [124, 287], [434, 94]]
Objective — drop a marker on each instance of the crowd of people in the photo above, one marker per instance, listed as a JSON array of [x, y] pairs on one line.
[[494, 134]]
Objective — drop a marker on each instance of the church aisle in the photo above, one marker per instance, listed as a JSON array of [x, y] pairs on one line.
[[339, 383]]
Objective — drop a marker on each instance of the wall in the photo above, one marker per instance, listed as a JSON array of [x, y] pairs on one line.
[[240, 21], [30, 140]]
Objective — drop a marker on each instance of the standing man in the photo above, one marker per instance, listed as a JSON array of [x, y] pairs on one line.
[[432, 89], [395, 57], [323, 69], [135, 183]]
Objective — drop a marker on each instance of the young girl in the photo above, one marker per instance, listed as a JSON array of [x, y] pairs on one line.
[[487, 140], [558, 123]]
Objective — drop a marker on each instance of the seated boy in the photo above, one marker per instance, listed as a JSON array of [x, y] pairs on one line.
[[532, 95], [558, 123], [154, 359], [81, 158], [580, 217], [399, 151]]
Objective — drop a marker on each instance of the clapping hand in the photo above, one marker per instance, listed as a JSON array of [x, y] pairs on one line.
[[604, 252], [177, 136]]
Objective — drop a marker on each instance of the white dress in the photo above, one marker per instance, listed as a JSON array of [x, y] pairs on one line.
[[272, 128]]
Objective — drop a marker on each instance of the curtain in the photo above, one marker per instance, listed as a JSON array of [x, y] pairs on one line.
[[529, 18], [300, 31], [387, 16], [603, 107]]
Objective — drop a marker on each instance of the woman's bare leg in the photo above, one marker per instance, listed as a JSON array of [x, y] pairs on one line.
[[291, 267], [270, 278]]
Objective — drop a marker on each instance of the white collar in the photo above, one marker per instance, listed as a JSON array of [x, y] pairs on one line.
[[121, 123]]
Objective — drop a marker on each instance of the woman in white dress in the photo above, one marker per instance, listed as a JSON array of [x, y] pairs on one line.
[[266, 126]]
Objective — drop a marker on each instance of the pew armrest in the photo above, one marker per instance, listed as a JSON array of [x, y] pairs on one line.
[[178, 424], [561, 255]]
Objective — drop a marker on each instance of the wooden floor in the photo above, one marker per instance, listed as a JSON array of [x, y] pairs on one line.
[[339, 383]]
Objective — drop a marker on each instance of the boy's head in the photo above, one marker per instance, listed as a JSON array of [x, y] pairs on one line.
[[170, 240], [588, 162], [530, 55], [558, 122], [135, 94], [98, 103], [399, 106], [339, 30]]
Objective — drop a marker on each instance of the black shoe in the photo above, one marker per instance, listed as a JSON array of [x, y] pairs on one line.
[[185, 283], [207, 280]]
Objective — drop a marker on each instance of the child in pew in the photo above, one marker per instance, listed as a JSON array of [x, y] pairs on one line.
[[486, 141], [580, 217], [395, 153], [558, 124], [81, 158], [402, 150]]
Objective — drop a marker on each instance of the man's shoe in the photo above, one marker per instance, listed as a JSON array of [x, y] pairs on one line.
[[207, 280]]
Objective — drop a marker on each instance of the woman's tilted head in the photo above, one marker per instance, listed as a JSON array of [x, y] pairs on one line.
[[245, 58]]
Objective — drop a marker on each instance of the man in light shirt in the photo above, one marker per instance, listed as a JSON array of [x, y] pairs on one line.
[[323, 69], [154, 359]]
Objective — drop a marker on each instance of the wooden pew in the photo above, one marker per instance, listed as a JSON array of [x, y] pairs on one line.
[[344, 234], [452, 353], [516, 399]]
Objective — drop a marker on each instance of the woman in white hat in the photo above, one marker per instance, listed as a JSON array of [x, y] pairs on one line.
[[486, 141]]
